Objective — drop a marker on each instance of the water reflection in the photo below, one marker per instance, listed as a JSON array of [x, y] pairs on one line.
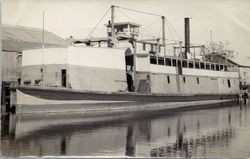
[[130, 145], [185, 147], [220, 132]]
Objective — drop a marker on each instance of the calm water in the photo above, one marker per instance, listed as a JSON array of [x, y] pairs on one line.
[[217, 132]]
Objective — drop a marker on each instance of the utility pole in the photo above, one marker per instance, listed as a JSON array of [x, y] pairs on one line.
[[42, 69]]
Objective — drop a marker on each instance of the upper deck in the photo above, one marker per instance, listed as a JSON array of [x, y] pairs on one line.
[[174, 65]]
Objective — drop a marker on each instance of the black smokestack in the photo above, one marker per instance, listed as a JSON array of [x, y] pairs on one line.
[[187, 37]]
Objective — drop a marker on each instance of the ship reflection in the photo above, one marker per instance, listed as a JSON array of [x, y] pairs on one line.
[[186, 147], [179, 134], [8, 126]]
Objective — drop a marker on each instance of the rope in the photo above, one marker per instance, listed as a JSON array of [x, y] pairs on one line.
[[171, 33], [124, 14], [138, 11], [173, 30], [98, 23], [143, 28], [155, 22]]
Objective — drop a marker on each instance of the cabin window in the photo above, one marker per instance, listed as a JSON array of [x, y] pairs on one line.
[[191, 64], [228, 83], [202, 65], [143, 46], [153, 60], [212, 66], [198, 80], [217, 67], [207, 66], [221, 67], [225, 67], [168, 78], [184, 80], [174, 62], [184, 64], [197, 65], [233, 68], [160, 60], [168, 62]]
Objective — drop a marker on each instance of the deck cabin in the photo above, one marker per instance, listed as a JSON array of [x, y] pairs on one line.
[[124, 29]]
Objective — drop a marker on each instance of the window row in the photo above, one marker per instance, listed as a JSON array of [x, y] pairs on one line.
[[184, 79], [198, 80], [152, 48], [191, 64]]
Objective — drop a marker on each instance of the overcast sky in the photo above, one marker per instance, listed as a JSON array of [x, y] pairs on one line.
[[229, 20]]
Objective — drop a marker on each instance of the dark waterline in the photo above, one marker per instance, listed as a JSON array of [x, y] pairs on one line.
[[217, 132]]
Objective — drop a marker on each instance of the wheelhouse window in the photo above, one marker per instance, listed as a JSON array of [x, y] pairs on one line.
[[160, 60], [135, 29], [184, 79], [125, 29], [152, 48]]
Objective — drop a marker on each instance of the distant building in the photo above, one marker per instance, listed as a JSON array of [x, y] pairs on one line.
[[16, 39], [243, 64], [244, 71]]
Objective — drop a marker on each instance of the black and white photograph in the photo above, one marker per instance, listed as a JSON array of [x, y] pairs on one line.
[[125, 78]]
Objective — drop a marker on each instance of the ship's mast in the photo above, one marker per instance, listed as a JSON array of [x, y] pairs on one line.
[[163, 35], [112, 23]]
